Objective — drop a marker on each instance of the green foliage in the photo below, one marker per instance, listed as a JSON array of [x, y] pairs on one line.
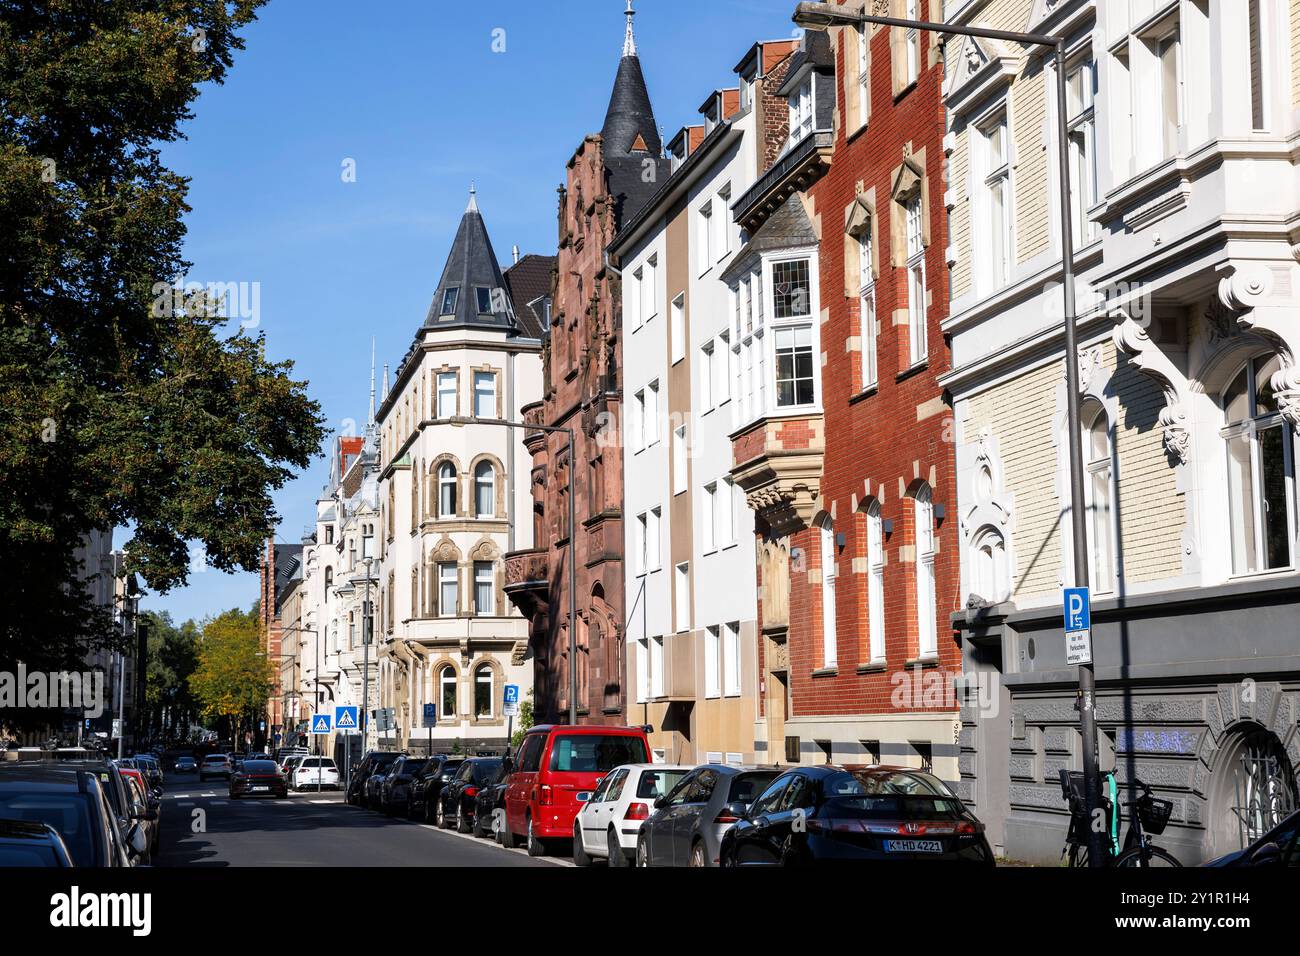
[[234, 676], [523, 722], [119, 412]]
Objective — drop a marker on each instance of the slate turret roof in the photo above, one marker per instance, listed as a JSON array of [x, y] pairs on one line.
[[472, 290]]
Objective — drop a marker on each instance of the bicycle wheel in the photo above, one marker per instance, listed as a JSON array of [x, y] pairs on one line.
[[1079, 856], [1151, 856]]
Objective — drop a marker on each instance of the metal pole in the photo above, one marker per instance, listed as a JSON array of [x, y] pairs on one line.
[[1078, 519]]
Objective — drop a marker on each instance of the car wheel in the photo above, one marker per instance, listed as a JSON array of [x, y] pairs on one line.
[[617, 858], [698, 858], [476, 828], [440, 817], [462, 824], [504, 835], [580, 857], [535, 846]]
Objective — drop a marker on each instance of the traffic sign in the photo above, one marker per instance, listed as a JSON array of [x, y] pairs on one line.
[[1078, 626], [346, 719], [320, 724], [430, 715], [512, 700]]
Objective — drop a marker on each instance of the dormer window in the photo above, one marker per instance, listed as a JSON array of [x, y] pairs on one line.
[[449, 299], [801, 111], [484, 300]]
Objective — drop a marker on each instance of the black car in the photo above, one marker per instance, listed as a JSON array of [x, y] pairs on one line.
[[457, 803], [855, 814], [258, 778], [371, 763], [73, 802], [1279, 847], [395, 790], [128, 810], [689, 822], [491, 799], [29, 844], [428, 784]]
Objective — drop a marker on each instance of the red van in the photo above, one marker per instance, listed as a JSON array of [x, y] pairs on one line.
[[554, 764]]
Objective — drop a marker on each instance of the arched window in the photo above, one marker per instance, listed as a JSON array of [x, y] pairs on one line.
[[875, 583], [447, 693], [329, 582], [1261, 471], [446, 490], [415, 498], [827, 534], [484, 490], [483, 691], [926, 625], [988, 566], [1100, 494]]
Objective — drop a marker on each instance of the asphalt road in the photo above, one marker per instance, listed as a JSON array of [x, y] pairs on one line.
[[203, 827]]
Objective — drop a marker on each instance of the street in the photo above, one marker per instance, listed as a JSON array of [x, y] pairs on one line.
[[308, 829]]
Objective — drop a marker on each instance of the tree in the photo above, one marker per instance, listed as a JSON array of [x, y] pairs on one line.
[[124, 405], [234, 676], [173, 657], [526, 719]]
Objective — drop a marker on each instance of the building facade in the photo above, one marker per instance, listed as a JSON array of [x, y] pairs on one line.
[[1184, 203], [607, 180]]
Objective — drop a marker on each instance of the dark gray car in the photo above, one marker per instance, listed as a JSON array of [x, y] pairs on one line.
[[688, 823]]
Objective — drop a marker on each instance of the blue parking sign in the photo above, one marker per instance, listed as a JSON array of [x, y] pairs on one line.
[[430, 715], [1078, 626]]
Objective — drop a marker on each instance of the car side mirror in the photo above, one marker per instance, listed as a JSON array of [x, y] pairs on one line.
[[738, 810], [136, 841], [584, 796], [1270, 854], [660, 802]]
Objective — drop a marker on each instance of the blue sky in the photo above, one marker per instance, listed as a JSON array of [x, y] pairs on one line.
[[423, 105]]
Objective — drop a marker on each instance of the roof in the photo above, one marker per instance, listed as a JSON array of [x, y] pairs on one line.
[[787, 227], [629, 120], [527, 281], [472, 290], [815, 52], [288, 570]]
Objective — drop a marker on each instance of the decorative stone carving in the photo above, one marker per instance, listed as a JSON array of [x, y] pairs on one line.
[[1246, 287], [1286, 389], [1131, 338]]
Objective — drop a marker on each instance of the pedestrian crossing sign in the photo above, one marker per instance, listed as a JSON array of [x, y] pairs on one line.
[[346, 719], [320, 724]]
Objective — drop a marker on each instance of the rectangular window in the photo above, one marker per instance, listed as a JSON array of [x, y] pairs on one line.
[[640, 543], [449, 298], [704, 235], [642, 671], [682, 598], [638, 436], [994, 204], [864, 73], [868, 304], [678, 330], [484, 300], [1080, 91], [1258, 64], [712, 662], [926, 625], [485, 395], [484, 591], [731, 659], [448, 590], [1171, 79], [656, 667], [654, 544], [829, 633], [722, 362], [710, 517], [913, 43], [707, 374], [791, 289], [633, 298], [801, 112], [446, 394], [651, 435], [722, 220], [795, 384], [916, 319], [725, 510], [650, 290], [679, 460], [875, 585]]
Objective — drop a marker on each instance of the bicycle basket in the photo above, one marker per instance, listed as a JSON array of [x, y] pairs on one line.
[[1155, 815]]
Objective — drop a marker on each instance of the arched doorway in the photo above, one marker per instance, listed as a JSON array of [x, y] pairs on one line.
[[1254, 789]]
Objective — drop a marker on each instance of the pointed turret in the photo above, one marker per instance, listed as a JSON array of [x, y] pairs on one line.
[[472, 290], [630, 126]]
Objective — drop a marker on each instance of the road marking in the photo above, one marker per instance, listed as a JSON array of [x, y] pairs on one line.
[[186, 803], [322, 801], [492, 843], [180, 796], [218, 803]]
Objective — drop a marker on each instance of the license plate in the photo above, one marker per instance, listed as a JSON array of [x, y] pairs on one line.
[[913, 846], [260, 789]]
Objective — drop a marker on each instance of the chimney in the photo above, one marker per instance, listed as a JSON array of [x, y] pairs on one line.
[[515, 252]]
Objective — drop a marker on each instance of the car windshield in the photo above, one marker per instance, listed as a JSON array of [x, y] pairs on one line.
[[413, 766], [67, 813], [214, 760], [655, 783], [745, 787], [595, 753], [898, 794]]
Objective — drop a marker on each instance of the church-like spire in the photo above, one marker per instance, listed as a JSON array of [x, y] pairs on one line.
[[371, 420], [472, 290], [473, 199], [629, 41]]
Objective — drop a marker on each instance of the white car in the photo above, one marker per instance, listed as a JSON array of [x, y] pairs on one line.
[[607, 825], [314, 773]]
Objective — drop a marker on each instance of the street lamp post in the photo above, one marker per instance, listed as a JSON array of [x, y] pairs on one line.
[[460, 422], [821, 15], [365, 657]]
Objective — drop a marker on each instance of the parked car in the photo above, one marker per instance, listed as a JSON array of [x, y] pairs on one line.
[[314, 773], [370, 763], [215, 765], [186, 765], [27, 843], [152, 769], [395, 790], [71, 801], [846, 814], [489, 805], [687, 825], [146, 809], [258, 778], [1279, 847], [556, 762], [606, 827], [291, 765], [457, 803], [121, 786], [428, 784]]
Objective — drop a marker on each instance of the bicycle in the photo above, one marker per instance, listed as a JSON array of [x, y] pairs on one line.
[[1148, 817]]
